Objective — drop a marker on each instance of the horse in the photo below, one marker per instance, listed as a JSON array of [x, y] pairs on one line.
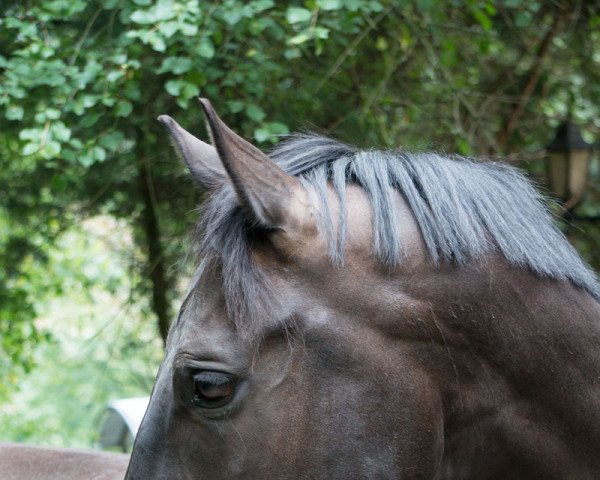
[[28, 462], [364, 314]]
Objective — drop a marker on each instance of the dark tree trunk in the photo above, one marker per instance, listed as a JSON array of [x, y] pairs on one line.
[[155, 253]]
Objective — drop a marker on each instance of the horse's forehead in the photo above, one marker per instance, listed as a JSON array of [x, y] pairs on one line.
[[203, 301], [203, 321]]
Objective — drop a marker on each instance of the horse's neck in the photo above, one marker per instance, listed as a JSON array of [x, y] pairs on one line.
[[524, 382]]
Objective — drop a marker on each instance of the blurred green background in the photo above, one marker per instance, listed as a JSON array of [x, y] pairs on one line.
[[96, 211]]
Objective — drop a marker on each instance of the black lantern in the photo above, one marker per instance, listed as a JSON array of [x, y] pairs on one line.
[[569, 157]]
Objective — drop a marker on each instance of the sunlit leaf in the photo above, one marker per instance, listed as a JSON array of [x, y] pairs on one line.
[[298, 15]]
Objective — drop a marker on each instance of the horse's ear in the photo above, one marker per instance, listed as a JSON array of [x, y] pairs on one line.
[[201, 158], [264, 190]]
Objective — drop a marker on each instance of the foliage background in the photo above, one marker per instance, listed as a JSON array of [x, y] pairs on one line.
[[95, 210]]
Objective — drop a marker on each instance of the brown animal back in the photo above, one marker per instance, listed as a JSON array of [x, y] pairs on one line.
[[27, 462]]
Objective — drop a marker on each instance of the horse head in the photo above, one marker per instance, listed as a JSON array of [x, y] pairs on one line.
[[365, 314]]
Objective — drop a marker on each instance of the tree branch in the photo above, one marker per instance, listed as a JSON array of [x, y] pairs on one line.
[[531, 79]]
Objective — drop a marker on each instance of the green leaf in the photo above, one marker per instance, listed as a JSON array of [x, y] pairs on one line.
[[160, 12], [168, 29], [374, 6], [297, 15], [234, 106], [14, 112], [69, 155], [123, 108], [321, 32], [30, 134], [86, 159], [352, 5], [206, 48], [176, 65], [232, 15], [89, 100], [262, 5], [261, 134], [76, 143], [157, 43], [60, 131], [99, 153], [173, 87], [484, 20], [255, 112], [181, 88], [111, 141], [463, 146], [50, 150], [189, 90], [188, 29], [30, 148], [52, 113], [90, 119], [271, 131], [329, 4], [109, 101], [113, 75], [299, 39]]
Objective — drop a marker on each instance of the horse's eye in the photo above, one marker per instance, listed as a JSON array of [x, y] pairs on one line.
[[213, 389]]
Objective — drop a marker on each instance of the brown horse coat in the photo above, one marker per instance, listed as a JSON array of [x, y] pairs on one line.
[[27, 462]]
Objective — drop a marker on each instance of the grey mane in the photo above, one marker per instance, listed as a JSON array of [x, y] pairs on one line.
[[464, 210]]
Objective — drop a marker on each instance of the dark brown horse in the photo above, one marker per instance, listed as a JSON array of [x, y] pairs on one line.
[[364, 314]]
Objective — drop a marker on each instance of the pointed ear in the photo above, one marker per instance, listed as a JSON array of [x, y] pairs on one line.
[[201, 158], [264, 190]]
